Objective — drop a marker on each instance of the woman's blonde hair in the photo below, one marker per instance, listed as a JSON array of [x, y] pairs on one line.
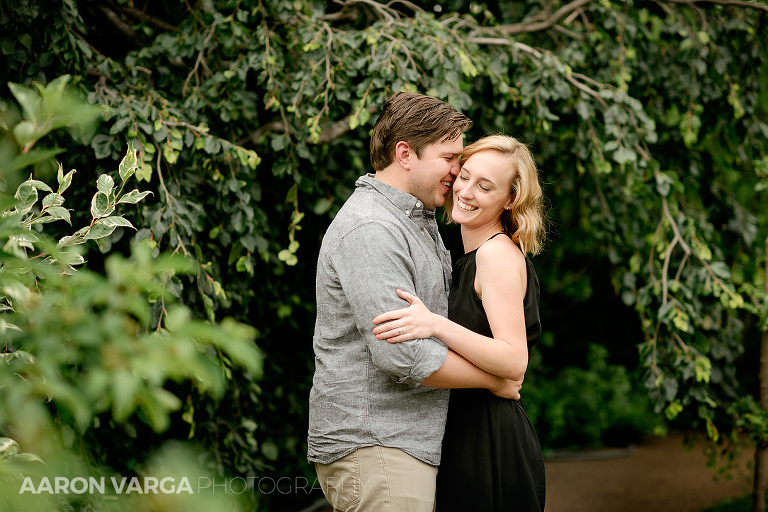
[[524, 221]]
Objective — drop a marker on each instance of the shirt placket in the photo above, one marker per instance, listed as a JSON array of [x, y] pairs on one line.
[[427, 228]]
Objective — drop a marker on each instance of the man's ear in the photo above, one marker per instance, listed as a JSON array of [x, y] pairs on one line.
[[403, 154]]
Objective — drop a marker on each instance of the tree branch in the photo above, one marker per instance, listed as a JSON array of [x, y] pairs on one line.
[[410, 5], [200, 60], [385, 11], [149, 20], [337, 129], [688, 250], [572, 78], [122, 27], [580, 86], [738, 3], [345, 14], [517, 28], [537, 24], [678, 238], [330, 133]]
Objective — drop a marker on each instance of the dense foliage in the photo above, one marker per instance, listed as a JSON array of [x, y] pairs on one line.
[[81, 347], [250, 120]]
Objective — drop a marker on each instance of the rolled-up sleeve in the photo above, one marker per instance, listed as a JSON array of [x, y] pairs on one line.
[[371, 262]]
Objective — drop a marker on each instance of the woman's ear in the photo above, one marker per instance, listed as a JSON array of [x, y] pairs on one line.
[[403, 154]]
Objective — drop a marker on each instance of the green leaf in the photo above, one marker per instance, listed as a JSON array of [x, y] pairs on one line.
[[467, 67], [157, 403], [28, 99], [25, 457], [99, 231], [170, 155], [71, 257], [71, 240], [624, 155], [703, 369], [244, 264], [721, 270], [120, 125], [663, 184], [105, 184], [211, 145], [7, 326], [116, 221], [26, 133], [102, 146], [26, 196], [65, 180], [673, 409], [364, 115], [125, 387], [133, 197], [128, 164], [53, 199], [253, 159], [31, 158], [322, 206], [681, 320], [59, 212], [144, 172], [279, 142], [701, 250], [712, 432], [8, 447], [100, 205], [354, 122], [269, 450]]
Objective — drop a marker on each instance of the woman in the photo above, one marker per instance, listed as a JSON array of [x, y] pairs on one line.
[[491, 457]]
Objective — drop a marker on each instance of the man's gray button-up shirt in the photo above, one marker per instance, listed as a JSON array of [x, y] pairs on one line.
[[366, 391]]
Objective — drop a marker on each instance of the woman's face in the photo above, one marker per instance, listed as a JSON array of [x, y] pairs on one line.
[[483, 188]]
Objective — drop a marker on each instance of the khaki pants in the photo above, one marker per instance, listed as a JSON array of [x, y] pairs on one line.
[[378, 479]]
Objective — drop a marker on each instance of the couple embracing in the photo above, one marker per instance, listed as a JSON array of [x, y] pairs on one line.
[[397, 327]]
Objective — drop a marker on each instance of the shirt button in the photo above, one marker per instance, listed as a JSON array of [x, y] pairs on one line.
[[407, 212], [418, 204]]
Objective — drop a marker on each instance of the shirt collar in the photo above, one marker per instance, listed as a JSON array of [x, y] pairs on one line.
[[403, 201]]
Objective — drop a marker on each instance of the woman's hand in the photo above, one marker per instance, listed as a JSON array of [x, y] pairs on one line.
[[508, 388], [411, 323]]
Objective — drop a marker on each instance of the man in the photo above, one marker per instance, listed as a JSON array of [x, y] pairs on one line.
[[377, 410]]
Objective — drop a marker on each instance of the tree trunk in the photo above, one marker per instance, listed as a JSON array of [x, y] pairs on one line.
[[761, 463]]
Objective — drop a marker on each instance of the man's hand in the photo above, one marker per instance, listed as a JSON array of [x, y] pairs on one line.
[[507, 388]]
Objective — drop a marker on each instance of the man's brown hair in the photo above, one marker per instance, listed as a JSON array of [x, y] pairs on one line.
[[416, 119]]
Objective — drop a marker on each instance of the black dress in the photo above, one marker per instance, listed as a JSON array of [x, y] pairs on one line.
[[491, 457]]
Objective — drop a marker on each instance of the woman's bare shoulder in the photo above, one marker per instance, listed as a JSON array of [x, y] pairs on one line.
[[500, 252]]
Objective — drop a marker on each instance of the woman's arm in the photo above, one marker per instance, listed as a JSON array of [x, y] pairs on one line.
[[456, 372], [500, 281]]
